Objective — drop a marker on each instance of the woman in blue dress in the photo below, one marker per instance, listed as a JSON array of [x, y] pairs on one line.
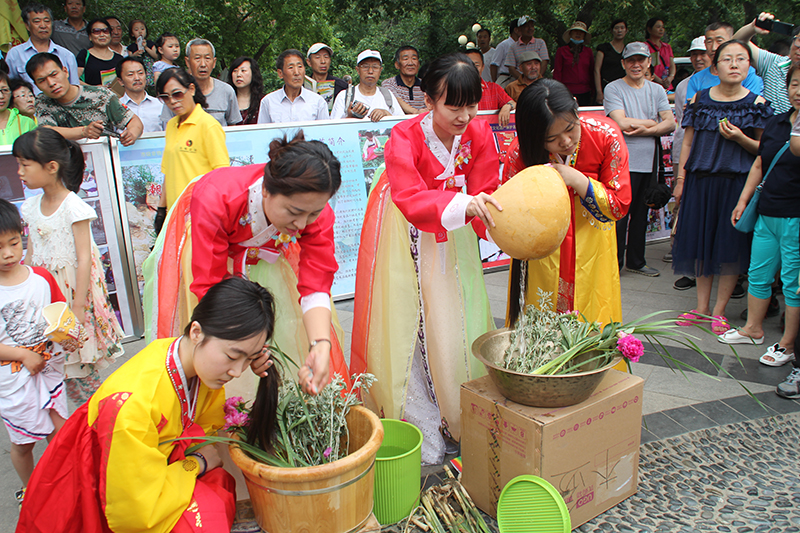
[[722, 127]]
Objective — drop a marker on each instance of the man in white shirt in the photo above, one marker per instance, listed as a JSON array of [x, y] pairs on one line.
[[497, 66], [39, 22], [485, 44], [131, 73], [292, 102], [367, 99]]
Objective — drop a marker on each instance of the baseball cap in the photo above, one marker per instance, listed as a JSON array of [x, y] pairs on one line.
[[367, 54], [529, 55], [637, 48], [698, 45], [523, 20], [316, 47]]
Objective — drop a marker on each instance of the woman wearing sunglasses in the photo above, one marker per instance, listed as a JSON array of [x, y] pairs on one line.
[[98, 64], [194, 142]]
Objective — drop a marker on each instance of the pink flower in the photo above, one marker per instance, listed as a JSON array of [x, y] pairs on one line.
[[631, 347], [233, 405], [327, 452], [236, 419]]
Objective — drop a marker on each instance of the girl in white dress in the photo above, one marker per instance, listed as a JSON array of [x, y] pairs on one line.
[[60, 240]]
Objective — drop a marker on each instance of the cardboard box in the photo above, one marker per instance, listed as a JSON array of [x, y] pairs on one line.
[[589, 451]]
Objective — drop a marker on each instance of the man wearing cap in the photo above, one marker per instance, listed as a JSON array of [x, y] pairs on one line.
[[367, 99], [716, 34], [492, 95], [642, 111], [773, 68], [406, 85], [530, 69], [497, 65], [292, 102], [321, 80], [525, 43]]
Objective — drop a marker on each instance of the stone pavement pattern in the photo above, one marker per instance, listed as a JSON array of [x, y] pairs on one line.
[[673, 404]]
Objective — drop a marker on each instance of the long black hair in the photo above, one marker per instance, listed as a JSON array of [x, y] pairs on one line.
[[537, 108], [236, 309], [185, 79], [455, 74], [299, 166], [44, 145], [256, 84]]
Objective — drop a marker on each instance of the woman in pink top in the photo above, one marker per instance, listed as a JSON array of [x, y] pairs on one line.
[[661, 57]]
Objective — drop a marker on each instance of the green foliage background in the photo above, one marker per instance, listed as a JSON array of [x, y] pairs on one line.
[[262, 28]]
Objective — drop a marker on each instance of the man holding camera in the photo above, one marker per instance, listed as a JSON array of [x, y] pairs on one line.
[[772, 67], [367, 99]]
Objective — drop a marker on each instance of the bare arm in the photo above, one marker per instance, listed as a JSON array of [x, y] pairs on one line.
[[313, 375], [630, 124], [406, 107], [493, 71], [514, 73], [680, 175], [133, 130], [747, 32], [598, 83], [29, 253], [753, 179], [31, 360], [81, 232]]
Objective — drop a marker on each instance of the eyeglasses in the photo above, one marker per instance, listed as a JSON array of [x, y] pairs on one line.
[[98, 31], [176, 96], [737, 60]]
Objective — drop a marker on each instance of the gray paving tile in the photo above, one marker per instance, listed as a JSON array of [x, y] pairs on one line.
[[662, 426], [720, 412], [778, 404], [748, 407], [749, 369], [647, 436], [690, 418], [685, 355]]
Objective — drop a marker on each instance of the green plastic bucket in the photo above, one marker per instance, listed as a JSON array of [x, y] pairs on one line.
[[398, 468]]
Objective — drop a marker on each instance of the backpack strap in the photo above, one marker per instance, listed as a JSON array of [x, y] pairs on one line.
[[388, 97]]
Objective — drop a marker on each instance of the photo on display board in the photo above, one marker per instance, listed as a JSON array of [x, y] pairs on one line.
[[98, 228], [142, 184], [372, 144]]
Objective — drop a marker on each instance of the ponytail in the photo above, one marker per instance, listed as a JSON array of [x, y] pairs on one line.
[[264, 413], [44, 145]]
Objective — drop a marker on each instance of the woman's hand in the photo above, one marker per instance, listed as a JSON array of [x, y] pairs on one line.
[[211, 455], [477, 208], [730, 131], [738, 211], [262, 363], [677, 192], [572, 178], [314, 374]]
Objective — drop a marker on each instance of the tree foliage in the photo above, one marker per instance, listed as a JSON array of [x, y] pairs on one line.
[[262, 28]]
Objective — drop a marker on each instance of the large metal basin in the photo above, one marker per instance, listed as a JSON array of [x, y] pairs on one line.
[[536, 391]]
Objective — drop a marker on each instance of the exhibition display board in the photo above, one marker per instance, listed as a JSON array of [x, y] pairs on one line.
[[123, 185]]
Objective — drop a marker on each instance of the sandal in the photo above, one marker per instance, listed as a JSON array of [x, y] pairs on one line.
[[776, 356], [720, 325], [689, 318]]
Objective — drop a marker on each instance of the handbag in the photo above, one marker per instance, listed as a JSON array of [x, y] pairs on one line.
[[747, 222], [658, 193]]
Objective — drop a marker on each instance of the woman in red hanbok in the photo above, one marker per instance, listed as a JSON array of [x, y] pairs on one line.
[[420, 297], [591, 156], [271, 223], [115, 466]]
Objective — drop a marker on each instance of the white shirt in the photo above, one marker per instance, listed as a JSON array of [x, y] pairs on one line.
[[487, 62], [277, 107], [376, 101], [499, 57], [149, 111]]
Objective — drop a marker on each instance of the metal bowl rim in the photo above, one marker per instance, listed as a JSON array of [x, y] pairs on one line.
[[497, 332]]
